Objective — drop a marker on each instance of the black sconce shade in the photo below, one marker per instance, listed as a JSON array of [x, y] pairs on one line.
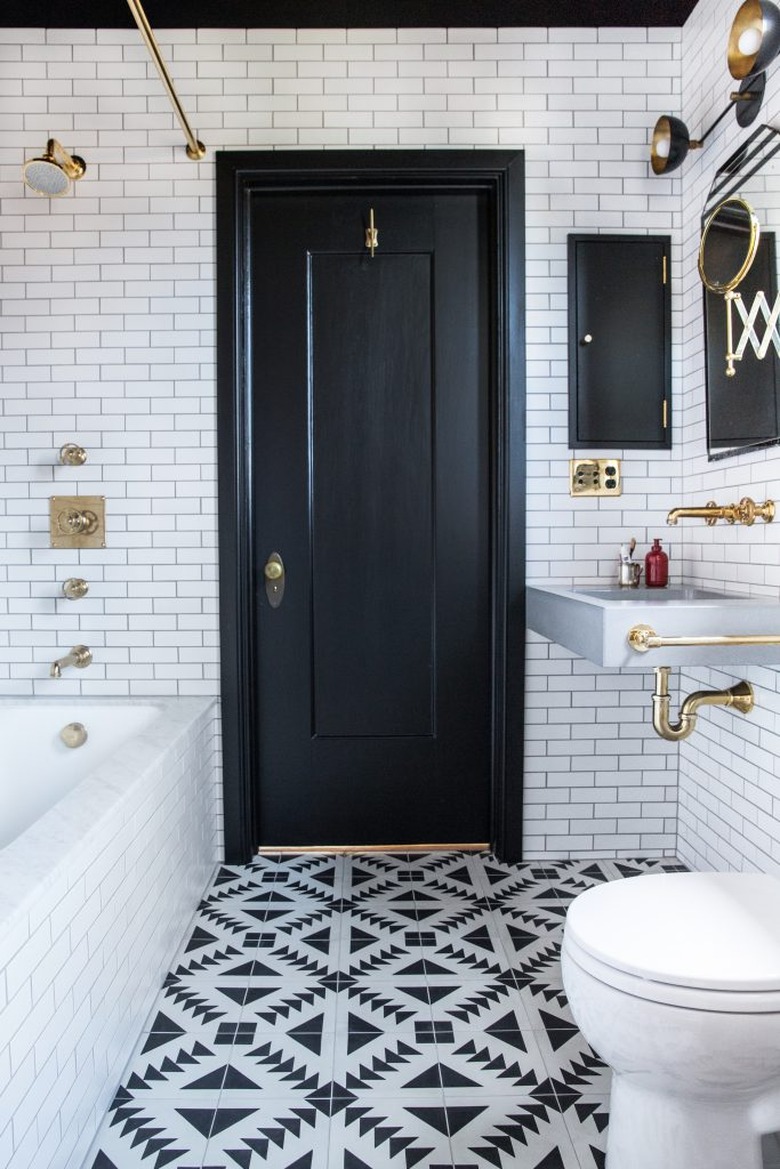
[[754, 40], [671, 143]]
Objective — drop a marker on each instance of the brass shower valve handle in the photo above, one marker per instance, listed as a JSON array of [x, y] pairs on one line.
[[73, 522]]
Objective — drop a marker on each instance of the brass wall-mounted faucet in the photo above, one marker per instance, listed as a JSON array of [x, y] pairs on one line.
[[79, 656], [744, 512], [739, 697]]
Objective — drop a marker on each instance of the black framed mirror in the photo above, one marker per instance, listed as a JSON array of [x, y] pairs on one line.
[[738, 257]]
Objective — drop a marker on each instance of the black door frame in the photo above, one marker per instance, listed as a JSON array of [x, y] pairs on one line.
[[500, 174]]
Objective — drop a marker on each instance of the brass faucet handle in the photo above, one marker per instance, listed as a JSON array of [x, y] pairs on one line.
[[717, 513], [749, 511]]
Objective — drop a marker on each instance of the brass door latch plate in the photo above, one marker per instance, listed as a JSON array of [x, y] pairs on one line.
[[595, 477], [77, 521]]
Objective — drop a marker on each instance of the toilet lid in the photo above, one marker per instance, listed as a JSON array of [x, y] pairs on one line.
[[718, 931]]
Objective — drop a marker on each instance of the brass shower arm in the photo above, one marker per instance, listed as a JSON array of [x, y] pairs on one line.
[[195, 149]]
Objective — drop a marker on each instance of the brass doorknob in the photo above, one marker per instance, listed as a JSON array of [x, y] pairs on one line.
[[273, 570]]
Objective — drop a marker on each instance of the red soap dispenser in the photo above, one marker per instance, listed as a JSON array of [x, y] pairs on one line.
[[656, 567]]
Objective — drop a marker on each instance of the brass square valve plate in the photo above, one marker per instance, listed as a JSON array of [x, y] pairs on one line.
[[77, 521]]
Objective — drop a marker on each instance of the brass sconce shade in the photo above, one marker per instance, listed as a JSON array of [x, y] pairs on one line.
[[53, 172], [670, 146], [754, 40]]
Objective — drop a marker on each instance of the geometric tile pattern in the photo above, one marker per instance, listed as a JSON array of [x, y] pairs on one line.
[[369, 1012]]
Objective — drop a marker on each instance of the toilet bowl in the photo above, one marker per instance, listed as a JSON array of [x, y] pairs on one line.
[[674, 980]]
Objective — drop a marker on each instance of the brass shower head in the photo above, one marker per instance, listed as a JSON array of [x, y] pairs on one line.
[[53, 172]]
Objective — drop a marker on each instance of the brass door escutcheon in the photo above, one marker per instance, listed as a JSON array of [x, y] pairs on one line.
[[274, 580]]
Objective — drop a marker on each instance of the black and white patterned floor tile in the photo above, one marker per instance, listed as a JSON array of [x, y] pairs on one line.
[[365, 1012]]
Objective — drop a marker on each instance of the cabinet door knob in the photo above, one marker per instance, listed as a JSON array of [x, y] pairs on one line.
[[586, 340]]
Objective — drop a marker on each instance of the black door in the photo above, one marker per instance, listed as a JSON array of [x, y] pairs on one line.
[[363, 418], [370, 395]]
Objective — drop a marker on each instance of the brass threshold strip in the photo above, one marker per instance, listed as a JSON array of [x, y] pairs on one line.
[[348, 849]]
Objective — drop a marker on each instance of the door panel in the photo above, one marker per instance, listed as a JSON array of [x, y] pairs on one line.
[[370, 392], [372, 499]]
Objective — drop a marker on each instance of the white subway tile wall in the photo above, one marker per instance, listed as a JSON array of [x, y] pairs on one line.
[[729, 811], [108, 339]]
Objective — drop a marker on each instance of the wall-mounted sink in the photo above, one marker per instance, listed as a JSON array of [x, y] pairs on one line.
[[594, 623]]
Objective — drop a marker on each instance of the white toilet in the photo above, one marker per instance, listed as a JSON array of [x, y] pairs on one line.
[[674, 980]]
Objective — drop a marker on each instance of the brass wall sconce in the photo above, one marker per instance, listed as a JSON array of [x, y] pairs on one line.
[[671, 138], [754, 42], [195, 149], [52, 173]]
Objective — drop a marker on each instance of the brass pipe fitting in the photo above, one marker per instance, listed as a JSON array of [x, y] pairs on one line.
[[739, 697], [745, 512]]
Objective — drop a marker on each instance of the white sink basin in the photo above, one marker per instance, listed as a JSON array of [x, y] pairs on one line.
[[595, 622]]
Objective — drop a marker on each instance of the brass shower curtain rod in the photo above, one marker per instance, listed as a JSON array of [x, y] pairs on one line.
[[195, 149]]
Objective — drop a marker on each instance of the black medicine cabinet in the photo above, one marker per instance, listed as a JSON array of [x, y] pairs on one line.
[[620, 359]]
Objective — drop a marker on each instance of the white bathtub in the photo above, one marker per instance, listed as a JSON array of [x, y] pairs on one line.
[[104, 853], [32, 750]]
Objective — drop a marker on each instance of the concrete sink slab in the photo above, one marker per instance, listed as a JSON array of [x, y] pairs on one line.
[[594, 622]]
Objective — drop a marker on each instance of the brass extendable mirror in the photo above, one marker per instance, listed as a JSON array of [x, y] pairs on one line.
[[728, 247], [738, 265]]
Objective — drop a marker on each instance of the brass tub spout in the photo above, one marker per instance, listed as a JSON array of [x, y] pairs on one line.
[[79, 656], [740, 697]]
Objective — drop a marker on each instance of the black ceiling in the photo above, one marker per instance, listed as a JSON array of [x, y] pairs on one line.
[[345, 13]]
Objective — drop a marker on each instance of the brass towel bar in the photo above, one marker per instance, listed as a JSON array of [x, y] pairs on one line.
[[642, 638]]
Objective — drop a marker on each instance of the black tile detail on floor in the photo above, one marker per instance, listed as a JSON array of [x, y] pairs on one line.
[[401, 1011]]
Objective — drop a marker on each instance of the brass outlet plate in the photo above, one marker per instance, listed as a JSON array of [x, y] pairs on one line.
[[77, 521], [595, 477]]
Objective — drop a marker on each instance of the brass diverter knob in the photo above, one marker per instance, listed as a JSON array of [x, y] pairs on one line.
[[72, 455], [74, 588]]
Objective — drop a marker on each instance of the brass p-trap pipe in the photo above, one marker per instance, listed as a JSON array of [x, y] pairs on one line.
[[739, 697], [641, 638]]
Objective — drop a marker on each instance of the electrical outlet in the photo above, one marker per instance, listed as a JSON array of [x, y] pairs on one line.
[[595, 477]]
